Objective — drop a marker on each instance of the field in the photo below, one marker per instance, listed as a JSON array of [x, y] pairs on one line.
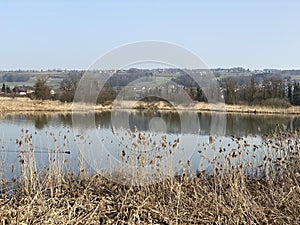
[[29, 78], [54, 78]]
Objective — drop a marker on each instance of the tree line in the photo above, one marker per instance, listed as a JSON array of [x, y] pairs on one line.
[[272, 91], [261, 89], [276, 91]]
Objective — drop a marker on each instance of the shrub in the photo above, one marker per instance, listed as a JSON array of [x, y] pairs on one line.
[[276, 103], [42, 91]]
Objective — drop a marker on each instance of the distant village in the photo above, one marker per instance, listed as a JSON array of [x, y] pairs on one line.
[[20, 91]]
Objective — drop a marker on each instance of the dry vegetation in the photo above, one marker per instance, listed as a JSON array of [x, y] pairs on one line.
[[20, 104], [270, 195], [10, 105]]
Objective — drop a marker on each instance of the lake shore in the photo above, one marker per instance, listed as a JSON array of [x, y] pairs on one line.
[[23, 105]]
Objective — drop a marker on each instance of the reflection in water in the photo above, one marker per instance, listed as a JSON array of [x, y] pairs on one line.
[[40, 121], [195, 147], [236, 124]]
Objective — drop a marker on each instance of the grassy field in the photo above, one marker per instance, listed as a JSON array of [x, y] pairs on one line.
[[269, 194], [54, 78]]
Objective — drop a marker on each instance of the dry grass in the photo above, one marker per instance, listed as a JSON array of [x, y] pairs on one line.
[[230, 199], [57, 196], [9, 105]]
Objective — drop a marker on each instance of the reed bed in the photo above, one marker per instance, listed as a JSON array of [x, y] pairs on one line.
[[21, 104], [235, 194]]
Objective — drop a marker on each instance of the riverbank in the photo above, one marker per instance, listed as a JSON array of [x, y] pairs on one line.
[[19, 105]]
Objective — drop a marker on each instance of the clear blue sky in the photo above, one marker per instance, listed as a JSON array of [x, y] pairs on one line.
[[73, 34]]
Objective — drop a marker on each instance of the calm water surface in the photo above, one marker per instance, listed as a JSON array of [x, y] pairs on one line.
[[106, 144]]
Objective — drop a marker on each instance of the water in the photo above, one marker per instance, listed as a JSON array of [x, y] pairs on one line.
[[106, 140]]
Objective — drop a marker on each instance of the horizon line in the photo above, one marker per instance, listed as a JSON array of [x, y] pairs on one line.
[[77, 69]]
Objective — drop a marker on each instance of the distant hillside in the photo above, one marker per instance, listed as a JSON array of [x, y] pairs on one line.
[[123, 77]]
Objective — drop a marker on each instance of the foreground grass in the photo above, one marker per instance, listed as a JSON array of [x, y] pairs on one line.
[[271, 196], [230, 199]]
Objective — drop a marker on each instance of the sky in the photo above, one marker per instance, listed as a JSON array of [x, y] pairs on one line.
[[61, 34]]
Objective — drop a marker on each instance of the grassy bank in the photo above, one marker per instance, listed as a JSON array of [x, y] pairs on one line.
[[58, 196], [11, 105]]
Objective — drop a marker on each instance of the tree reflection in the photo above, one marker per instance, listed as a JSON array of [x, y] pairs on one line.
[[40, 121]]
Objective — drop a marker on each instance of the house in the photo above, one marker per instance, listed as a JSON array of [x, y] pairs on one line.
[[23, 90]]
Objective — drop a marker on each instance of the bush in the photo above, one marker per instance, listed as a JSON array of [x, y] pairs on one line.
[[276, 103], [42, 91]]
